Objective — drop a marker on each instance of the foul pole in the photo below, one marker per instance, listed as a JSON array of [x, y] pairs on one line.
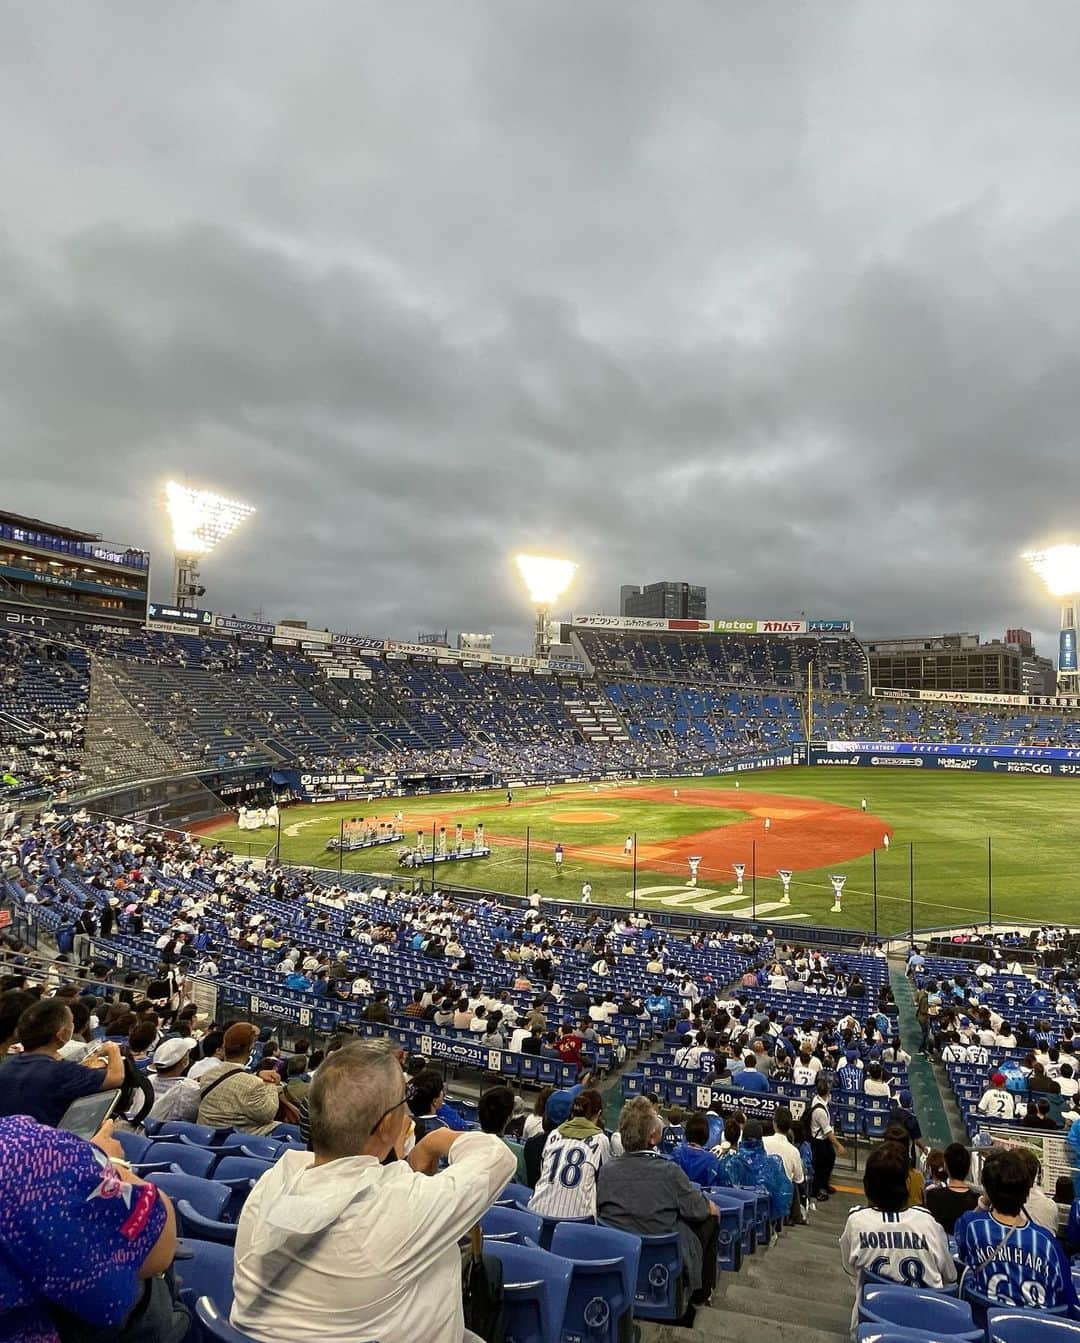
[[809, 708]]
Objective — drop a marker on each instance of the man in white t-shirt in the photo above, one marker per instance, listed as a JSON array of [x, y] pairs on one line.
[[353, 1248], [996, 1102]]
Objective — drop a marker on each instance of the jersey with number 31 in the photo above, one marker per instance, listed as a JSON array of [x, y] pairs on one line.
[[567, 1183]]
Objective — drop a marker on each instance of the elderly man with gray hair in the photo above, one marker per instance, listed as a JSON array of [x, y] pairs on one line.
[[642, 1193], [347, 1242]]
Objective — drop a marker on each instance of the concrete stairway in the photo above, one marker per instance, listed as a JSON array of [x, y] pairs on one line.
[[795, 1292]]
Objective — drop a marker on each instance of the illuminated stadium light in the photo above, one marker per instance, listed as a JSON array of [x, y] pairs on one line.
[[546, 580], [201, 520], [1059, 569]]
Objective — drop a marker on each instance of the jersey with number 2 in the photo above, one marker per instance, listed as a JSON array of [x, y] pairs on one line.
[[567, 1183]]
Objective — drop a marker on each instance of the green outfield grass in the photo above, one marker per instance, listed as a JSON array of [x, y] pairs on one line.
[[946, 820]]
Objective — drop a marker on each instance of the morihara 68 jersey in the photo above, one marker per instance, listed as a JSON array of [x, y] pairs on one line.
[[567, 1183], [908, 1247], [1013, 1265]]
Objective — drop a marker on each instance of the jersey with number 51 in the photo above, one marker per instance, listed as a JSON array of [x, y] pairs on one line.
[[567, 1183]]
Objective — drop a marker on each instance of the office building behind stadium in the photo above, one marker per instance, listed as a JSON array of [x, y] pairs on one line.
[[961, 662], [663, 601]]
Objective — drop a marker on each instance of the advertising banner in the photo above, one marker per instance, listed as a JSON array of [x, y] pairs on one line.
[[1067, 651], [179, 615], [781, 627], [302, 632], [619, 623], [357, 641], [958, 749], [994, 763], [735, 626], [774, 760], [830, 626], [979, 697], [243, 626]]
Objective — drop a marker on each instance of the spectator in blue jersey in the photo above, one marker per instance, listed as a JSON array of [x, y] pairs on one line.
[[1007, 1257], [850, 1075], [748, 1077], [658, 1005], [694, 1156]]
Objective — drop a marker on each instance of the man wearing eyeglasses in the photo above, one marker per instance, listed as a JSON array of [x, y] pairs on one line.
[[335, 1244]]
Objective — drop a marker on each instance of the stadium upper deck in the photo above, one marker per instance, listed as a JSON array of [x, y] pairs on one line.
[[643, 702]]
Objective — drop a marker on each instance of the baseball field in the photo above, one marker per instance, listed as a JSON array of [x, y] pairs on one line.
[[927, 850]]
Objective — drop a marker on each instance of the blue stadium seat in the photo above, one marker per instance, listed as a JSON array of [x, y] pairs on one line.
[[733, 1234], [548, 1225], [911, 1308], [204, 1268], [515, 1193], [981, 1306], [164, 1156], [194, 1225], [204, 1196], [236, 1169], [200, 1134], [536, 1286], [215, 1324], [289, 1133], [662, 1290], [1029, 1326], [603, 1281], [892, 1333], [499, 1219], [245, 1144], [239, 1174], [134, 1145]]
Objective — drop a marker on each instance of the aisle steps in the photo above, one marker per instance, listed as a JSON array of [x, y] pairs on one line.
[[795, 1292]]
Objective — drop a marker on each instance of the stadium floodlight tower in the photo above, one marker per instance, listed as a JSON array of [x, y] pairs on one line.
[[200, 521], [546, 580], [1059, 569]]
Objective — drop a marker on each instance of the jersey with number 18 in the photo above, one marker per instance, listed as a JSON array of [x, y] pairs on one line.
[[568, 1167]]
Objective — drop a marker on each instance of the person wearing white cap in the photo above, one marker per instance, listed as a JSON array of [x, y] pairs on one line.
[[177, 1097]]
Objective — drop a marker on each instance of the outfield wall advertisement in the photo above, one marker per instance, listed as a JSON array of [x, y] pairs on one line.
[[1044, 760], [744, 625]]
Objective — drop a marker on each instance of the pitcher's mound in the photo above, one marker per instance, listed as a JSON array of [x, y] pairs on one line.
[[583, 817]]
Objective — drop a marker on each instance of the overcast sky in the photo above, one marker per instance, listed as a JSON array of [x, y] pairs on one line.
[[779, 298]]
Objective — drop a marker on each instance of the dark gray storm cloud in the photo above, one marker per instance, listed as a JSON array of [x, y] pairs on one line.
[[779, 298]]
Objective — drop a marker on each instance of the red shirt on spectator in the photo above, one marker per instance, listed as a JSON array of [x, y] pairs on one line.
[[569, 1047]]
